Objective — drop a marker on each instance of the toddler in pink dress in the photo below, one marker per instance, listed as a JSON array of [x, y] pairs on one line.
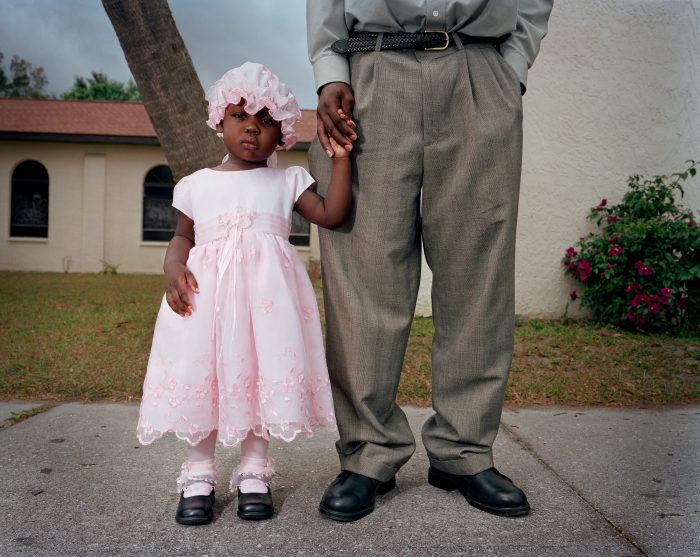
[[237, 350]]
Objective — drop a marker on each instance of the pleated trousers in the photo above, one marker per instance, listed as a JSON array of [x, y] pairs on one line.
[[438, 160]]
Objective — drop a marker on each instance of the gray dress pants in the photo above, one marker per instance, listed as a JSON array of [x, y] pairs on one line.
[[447, 125]]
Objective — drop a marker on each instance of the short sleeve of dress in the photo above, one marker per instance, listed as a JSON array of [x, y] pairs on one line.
[[299, 180], [182, 199]]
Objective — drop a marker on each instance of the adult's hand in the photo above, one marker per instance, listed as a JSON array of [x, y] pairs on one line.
[[333, 96]]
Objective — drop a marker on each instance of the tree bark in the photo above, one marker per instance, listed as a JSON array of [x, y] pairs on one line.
[[167, 81]]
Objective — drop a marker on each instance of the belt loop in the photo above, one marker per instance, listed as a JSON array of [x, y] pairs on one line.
[[378, 46], [458, 41]]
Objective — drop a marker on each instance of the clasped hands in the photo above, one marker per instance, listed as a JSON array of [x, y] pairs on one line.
[[334, 124]]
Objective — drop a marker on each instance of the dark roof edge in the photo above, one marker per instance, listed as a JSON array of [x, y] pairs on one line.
[[80, 138], [111, 139]]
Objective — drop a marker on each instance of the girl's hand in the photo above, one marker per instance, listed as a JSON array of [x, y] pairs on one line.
[[179, 280], [339, 151]]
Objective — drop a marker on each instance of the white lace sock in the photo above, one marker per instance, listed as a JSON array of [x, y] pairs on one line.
[[198, 475], [254, 473]]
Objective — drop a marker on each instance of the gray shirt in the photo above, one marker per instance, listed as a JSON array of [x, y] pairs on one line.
[[525, 21]]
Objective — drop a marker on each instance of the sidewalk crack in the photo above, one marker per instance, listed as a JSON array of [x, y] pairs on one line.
[[530, 449], [19, 417]]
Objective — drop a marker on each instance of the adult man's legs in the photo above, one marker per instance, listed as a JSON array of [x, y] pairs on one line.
[[471, 183], [371, 265]]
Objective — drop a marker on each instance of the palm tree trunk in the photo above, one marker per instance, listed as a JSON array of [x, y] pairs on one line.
[[167, 81]]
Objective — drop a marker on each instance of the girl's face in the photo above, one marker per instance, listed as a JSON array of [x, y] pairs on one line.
[[249, 138]]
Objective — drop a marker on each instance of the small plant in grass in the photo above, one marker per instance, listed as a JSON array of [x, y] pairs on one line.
[[108, 268], [641, 270]]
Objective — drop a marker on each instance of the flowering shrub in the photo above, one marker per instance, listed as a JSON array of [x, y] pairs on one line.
[[642, 269]]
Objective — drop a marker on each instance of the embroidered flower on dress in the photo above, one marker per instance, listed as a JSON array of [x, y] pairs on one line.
[[201, 391], [241, 217]]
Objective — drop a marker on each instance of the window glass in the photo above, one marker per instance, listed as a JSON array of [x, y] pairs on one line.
[[300, 230], [29, 205], [159, 216]]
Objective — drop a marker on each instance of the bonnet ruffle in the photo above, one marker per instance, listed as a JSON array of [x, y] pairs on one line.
[[261, 89]]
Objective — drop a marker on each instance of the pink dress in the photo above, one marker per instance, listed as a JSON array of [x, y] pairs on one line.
[[250, 357]]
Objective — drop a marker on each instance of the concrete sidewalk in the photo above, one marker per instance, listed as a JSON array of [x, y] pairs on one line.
[[600, 482]]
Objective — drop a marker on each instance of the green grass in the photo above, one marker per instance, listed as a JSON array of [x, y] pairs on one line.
[[87, 337], [17, 417]]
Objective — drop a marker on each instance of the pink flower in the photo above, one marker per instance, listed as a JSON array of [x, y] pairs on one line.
[[630, 316], [643, 269], [615, 251], [666, 292], [603, 203], [570, 252], [584, 268], [640, 299], [631, 287], [653, 308], [613, 239], [613, 218], [573, 295], [691, 223]]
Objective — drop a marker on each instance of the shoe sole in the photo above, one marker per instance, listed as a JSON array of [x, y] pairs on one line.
[[193, 521], [441, 482], [350, 517], [255, 516]]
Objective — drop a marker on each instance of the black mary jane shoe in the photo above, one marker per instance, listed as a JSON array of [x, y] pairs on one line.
[[196, 510], [255, 506], [488, 491], [351, 496]]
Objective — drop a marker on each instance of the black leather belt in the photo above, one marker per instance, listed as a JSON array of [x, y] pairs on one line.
[[423, 40]]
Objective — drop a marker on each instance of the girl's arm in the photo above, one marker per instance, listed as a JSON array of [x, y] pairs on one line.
[[330, 211], [178, 278]]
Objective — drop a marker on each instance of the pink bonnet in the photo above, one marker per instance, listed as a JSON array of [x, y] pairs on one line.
[[261, 89]]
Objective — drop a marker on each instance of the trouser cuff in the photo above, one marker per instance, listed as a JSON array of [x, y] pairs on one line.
[[466, 466], [370, 468]]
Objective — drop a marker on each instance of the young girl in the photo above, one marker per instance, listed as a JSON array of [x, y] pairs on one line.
[[237, 350]]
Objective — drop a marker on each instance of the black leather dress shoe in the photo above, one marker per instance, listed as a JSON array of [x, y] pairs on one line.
[[193, 511], [488, 491], [255, 506], [351, 496]]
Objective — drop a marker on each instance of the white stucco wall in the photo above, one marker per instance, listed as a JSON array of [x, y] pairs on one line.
[[615, 91], [95, 207]]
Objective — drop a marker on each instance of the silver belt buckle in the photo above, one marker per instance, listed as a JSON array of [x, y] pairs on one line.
[[444, 34]]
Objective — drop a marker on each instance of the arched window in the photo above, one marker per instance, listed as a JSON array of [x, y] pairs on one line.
[[159, 217], [29, 203]]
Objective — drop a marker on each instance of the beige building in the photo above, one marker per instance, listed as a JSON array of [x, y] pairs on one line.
[[86, 184]]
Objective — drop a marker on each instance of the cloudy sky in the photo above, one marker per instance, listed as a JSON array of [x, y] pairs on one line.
[[74, 37]]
